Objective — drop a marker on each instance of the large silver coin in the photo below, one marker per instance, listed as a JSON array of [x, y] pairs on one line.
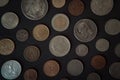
[[11, 69], [3, 3], [34, 9], [85, 30]]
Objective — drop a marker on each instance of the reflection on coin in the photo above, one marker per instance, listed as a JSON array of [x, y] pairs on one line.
[[114, 70], [85, 30], [3, 3], [59, 46], [41, 32], [81, 50], [93, 76], [51, 68], [112, 27], [60, 22], [34, 9], [30, 74], [11, 69], [101, 7], [22, 35], [75, 67], [6, 46], [76, 7], [58, 3], [102, 45], [31, 53], [117, 50], [9, 20]]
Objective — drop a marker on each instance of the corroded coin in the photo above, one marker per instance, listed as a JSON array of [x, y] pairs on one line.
[[3, 3], [34, 9], [93, 76], [58, 3], [85, 30]]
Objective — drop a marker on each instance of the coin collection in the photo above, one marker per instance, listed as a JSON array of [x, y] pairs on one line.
[[60, 40]]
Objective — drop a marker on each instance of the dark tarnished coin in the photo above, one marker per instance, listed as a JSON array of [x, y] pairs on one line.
[[34, 9], [85, 30], [93, 76], [3, 3], [117, 50]]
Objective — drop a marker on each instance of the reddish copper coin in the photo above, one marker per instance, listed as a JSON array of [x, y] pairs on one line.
[[76, 7]]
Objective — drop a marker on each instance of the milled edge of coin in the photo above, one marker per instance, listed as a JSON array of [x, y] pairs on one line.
[[60, 6], [5, 3]]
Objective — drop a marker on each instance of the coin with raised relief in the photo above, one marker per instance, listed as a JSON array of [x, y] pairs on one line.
[[3, 3]]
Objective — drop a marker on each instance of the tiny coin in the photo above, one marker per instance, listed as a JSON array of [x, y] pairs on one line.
[[75, 67], [34, 9], [11, 69], [59, 46], [117, 50], [6, 46], [114, 70], [41, 32], [58, 3], [85, 30], [101, 7], [93, 76], [9, 20], [60, 22], [51, 68], [3, 3]]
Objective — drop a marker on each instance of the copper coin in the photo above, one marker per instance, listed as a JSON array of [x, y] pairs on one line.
[[76, 7], [51, 68], [98, 62], [30, 74], [41, 32], [6, 46], [58, 3], [31, 53]]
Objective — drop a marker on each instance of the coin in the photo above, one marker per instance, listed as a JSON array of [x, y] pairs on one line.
[[22, 35], [31, 53], [51, 68], [75, 67], [3, 3], [11, 69], [30, 74], [58, 3], [98, 62], [34, 9], [85, 30], [93, 76], [117, 50], [102, 45], [59, 46], [101, 7], [6, 46], [60, 22], [9, 20], [81, 50], [41, 32], [76, 7], [114, 70], [64, 78]]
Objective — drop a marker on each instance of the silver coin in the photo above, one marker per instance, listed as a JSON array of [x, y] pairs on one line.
[[93, 76], [11, 69], [101, 7], [9, 20], [114, 70], [117, 50], [85, 30], [34, 9], [3, 3]]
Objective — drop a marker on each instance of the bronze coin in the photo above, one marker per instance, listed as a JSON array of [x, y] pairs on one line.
[[30, 74], [51, 68], [31, 53], [98, 62], [76, 7]]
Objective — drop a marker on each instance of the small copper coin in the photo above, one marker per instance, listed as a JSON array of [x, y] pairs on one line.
[[51, 68], [41, 32], [6, 46], [30, 74], [31, 53], [58, 3], [98, 62], [76, 7]]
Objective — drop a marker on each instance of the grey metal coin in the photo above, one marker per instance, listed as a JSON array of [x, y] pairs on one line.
[[75, 67], [114, 70], [34, 9], [81, 50], [117, 50], [9, 20], [11, 69], [101, 7], [3, 3], [93, 76], [85, 30]]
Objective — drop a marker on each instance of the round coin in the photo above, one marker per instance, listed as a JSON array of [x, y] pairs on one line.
[[85, 30], [3, 3], [117, 50], [34, 9], [93, 76], [58, 3]]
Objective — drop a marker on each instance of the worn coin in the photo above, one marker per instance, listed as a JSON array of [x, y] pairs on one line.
[[58, 3], [85, 30], [117, 50], [11, 69], [34, 9], [3, 3], [93, 76]]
